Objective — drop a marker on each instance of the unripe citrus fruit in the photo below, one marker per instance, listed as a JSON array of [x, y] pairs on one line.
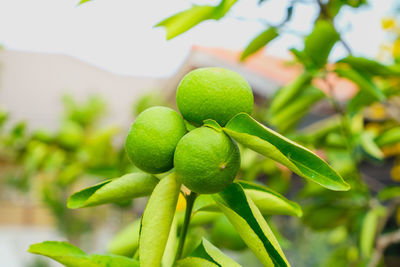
[[153, 137], [206, 160], [213, 93]]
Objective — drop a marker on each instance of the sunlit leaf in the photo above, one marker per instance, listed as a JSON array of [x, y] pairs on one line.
[[126, 241], [389, 193], [368, 230], [369, 145], [389, 137], [256, 136], [370, 66], [251, 225], [210, 252], [72, 256], [362, 81], [319, 43], [127, 187], [259, 42], [269, 201], [195, 262], [157, 220], [185, 20]]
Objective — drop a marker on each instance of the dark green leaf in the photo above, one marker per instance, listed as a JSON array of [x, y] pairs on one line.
[[259, 42], [256, 136], [319, 43], [129, 186], [157, 220], [251, 225], [72, 256]]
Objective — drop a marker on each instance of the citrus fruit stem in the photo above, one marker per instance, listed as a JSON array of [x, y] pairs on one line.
[[188, 213]]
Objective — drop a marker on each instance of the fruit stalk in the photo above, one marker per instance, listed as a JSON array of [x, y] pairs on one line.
[[188, 213]]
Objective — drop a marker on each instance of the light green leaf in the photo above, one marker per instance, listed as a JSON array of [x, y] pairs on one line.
[[369, 145], [126, 241], [83, 1], [210, 252], [362, 81], [171, 246], [195, 262], [289, 92], [368, 230], [129, 186], [288, 117], [157, 220], [319, 43], [302, 161], [72, 256], [251, 225], [259, 42], [270, 202], [369, 66], [389, 137], [389, 193], [185, 20]]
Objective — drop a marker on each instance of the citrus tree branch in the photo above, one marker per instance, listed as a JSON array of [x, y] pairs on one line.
[[382, 243]]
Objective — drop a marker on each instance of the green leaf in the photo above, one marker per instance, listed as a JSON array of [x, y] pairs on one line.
[[210, 252], [171, 246], [369, 66], [319, 43], [359, 101], [289, 92], [247, 131], [251, 225], [389, 193], [126, 241], [185, 20], [157, 220], [287, 118], [129, 186], [270, 202], [362, 81], [83, 1], [259, 42], [389, 137], [369, 145], [72, 256], [368, 230], [195, 262]]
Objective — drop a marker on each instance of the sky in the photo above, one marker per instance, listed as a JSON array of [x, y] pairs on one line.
[[119, 35]]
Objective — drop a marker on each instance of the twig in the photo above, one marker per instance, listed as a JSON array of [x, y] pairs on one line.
[[382, 243]]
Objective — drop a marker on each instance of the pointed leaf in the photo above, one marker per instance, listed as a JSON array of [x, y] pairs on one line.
[[195, 262], [368, 230], [72, 256], [270, 202], [126, 241], [185, 20], [369, 66], [127, 187], [389, 193], [157, 220], [210, 252], [251, 225], [370, 147], [319, 43], [362, 81], [256, 136], [389, 137], [259, 42]]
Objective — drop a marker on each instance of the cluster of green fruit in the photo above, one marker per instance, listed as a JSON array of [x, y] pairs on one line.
[[205, 159]]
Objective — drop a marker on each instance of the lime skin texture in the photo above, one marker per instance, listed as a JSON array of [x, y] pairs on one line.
[[152, 139], [213, 93], [206, 160]]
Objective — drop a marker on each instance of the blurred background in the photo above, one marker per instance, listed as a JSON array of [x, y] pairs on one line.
[[73, 78]]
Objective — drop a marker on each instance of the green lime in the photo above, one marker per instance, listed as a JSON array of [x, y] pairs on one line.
[[206, 160], [153, 137], [224, 235], [213, 93]]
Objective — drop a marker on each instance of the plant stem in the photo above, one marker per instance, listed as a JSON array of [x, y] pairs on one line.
[[188, 212]]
